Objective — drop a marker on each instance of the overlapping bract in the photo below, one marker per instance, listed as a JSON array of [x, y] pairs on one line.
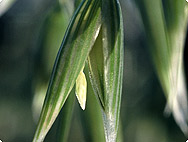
[[106, 66], [81, 41]]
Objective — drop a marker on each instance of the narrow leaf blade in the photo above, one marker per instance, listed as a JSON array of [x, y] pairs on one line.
[[165, 26], [77, 43]]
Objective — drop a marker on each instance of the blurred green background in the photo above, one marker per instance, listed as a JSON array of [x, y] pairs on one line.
[[31, 32]]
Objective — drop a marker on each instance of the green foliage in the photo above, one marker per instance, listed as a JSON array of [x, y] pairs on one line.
[[89, 66], [92, 17], [106, 66], [69, 62], [165, 26]]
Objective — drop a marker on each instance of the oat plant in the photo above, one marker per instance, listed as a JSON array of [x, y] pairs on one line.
[[87, 54], [94, 38]]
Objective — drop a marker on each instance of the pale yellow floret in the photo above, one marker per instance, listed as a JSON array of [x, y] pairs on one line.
[[81, 89]]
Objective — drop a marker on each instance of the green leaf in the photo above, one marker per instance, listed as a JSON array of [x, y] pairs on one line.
[[106, 66], [76, 45], [153, 19], [176, 17], [66, 118], [175, 14], [165, 26]]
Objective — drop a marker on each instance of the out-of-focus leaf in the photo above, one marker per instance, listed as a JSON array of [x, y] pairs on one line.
[[120, 132], [176, 16], [153, 19], [54, 30], [77, 43], [106, 66], [40, 90], [175, 13], [5, 5], [165, 26], [68, 6]]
